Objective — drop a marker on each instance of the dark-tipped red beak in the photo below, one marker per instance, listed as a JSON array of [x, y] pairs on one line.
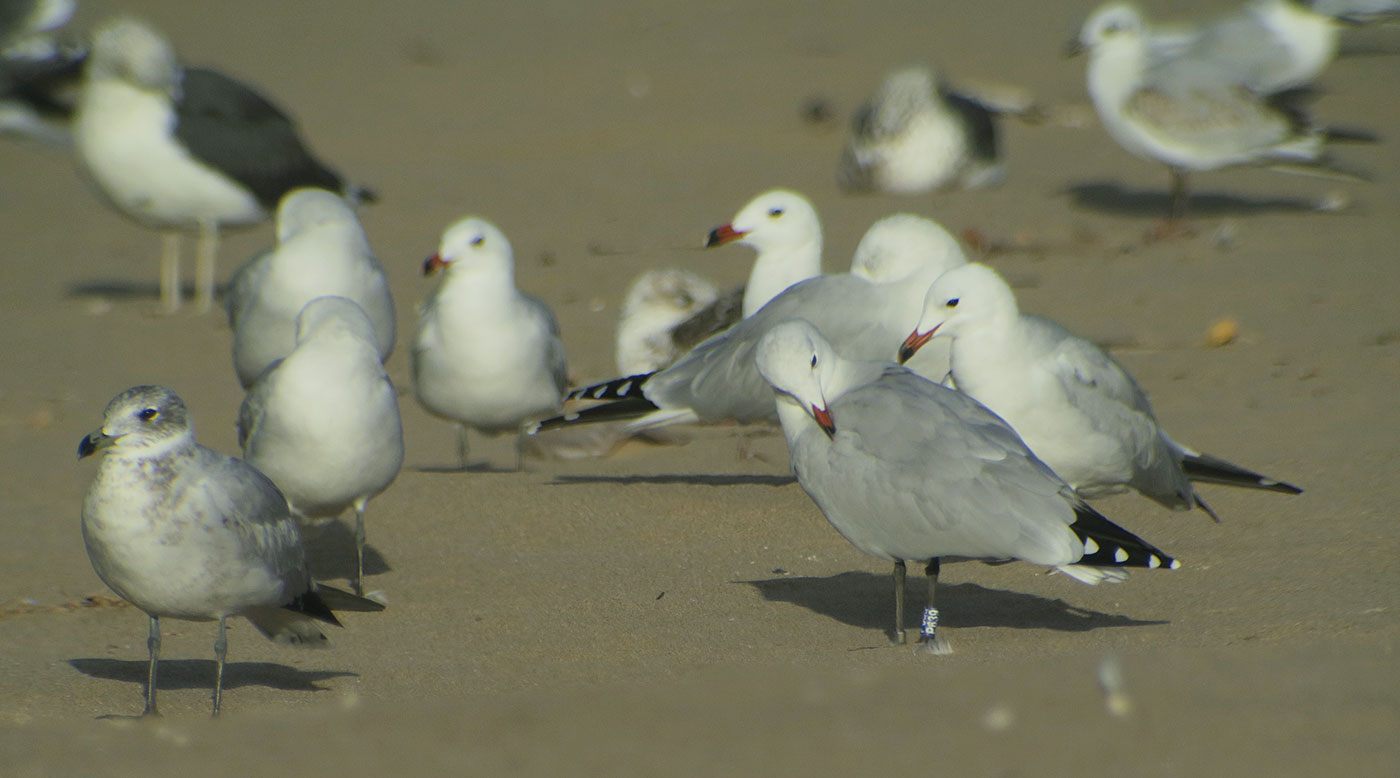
[[913, 343], [823, 417], [725, 233], [433, 264]]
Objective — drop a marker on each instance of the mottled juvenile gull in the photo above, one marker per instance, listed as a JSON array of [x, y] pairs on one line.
[[323, 423], [656, 303], [1073, 404], [487, 356], [321, 250], [184, 148], [908, 470], [184, 532], [917, 135]]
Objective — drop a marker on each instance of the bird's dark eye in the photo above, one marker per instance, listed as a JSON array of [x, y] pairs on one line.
[[148, 414], [953, 303], [814, 360], [775, 212], [478, 240]]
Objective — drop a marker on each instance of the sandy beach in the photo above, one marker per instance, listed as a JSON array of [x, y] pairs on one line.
[[685, 608]]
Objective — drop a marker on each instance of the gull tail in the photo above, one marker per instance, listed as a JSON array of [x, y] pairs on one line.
[[1108, 545], [629, 387], [298, 623], [1211, 470]]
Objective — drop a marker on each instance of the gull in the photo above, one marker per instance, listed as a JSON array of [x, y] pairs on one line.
[[184, 532], [1270, 45], [323, 423], [38, 72], [782, 226], [184, 148], [865, 313], [487, 356], [658, 302], [1073, 404], [908, 470], [321, 250], [1191, 113], [916, 135]]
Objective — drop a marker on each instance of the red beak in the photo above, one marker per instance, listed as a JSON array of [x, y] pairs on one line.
[[823, 417], [914, 342], [433, 264], [725, 233]]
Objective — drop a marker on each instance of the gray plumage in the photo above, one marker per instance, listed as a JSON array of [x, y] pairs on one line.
[[184, 532], [908, 470]]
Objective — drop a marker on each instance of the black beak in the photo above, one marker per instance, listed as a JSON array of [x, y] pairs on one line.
[[93, 443]]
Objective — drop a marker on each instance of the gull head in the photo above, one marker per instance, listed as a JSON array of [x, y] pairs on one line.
[[902, 246], [471, 245], [331, 315], [778, 219], [794, 358], [960, 298], [308, 207], [1108, 22], [133, 51], [138, 419], [903, 95]]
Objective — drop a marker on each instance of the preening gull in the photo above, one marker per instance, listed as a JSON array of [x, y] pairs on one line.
[[487, 356], [1073, 404], [866, 313], [1192, 113], [321, 250], [908, 470], [917, 135], [185, 148], [184, 532], [323, 423]]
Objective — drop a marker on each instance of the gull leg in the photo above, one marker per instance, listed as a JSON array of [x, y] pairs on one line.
[[520, 450], [360, 548], [462, 447], [205, 256], [170, 272], [153, 647], [929, 640], [1180, 196], [897, 639], [220, 652]]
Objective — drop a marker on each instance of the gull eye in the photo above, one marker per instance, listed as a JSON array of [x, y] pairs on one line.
[[148, 414], [774, 213], [953, 303], [478, 240], [814, 360]]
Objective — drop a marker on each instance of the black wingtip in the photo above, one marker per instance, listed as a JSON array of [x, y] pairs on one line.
[[624, 409], [1108, 545], [1208, 469], [311, 604], [628, 387]]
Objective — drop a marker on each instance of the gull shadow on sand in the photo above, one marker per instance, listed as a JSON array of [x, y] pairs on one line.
[[735, 479], [866, 600], [479, 467], [123, 289], [199, 674], [1111, 197], [330, 550]]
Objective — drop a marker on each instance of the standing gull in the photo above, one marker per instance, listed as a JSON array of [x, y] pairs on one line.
[[866, 313], [324, 423], [181, 531], [184, 148], [782, 226], [39, 73], [907, 470], [1073, 404], [321, 250], [487, 355], [916, 135], [1192, 113]]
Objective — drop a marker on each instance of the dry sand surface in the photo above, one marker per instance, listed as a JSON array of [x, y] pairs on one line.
[[685, 609]]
